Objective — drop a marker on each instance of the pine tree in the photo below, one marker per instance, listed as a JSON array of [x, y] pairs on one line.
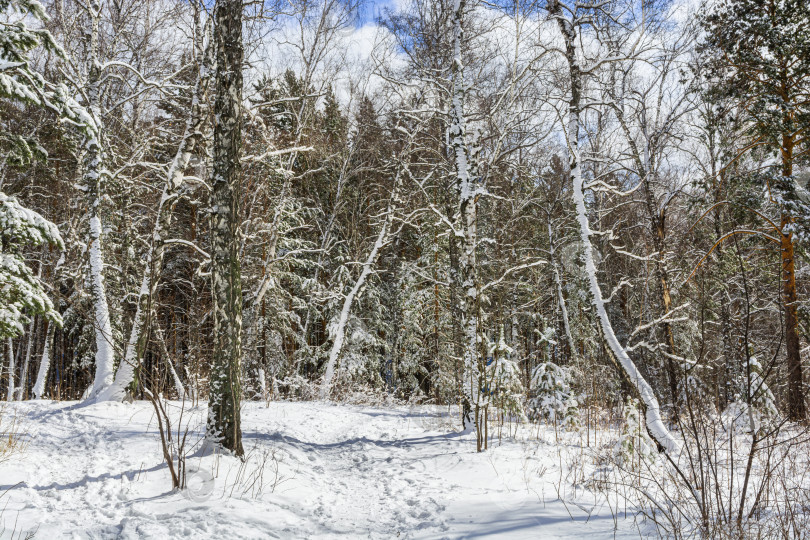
[[765, 45]]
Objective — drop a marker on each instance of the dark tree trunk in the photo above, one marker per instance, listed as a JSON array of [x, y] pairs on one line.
[[226, 287]]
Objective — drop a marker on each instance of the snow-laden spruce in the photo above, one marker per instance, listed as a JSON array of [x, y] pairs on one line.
[[553, 397], [634, 443], [504, 386], [22, 293]]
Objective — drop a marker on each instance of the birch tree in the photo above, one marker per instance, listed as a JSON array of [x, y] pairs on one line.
[[224, 416], [648, 109], [569, 21], [45, 362], [466, 229], [93, 172]]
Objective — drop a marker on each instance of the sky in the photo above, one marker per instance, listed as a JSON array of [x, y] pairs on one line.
[[372, 8]]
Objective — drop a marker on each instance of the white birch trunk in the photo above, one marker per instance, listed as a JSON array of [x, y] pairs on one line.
[[32, 328], [655, 424], [10, 396], [105, 357], [93, 169], [560, 298], [45, 363], [468, 210]]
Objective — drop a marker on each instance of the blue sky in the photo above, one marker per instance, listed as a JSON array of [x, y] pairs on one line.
[[371, 8]]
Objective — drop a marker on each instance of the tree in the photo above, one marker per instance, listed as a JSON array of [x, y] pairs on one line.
[[570, 21], [765, 45], [23, 292], [175, 173], [93, 171], [384, 236], [224, 419], [649, 110]]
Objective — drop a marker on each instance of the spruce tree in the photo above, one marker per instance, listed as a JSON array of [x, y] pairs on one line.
[[22, 292]]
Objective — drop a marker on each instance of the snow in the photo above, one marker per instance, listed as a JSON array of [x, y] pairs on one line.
[[96, 471]]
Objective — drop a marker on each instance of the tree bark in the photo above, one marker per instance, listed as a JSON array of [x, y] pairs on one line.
[[466, 233], [32, 330], [224, 420], [796, 406]]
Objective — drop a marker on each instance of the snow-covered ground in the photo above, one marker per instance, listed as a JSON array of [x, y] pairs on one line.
[[314, 470]]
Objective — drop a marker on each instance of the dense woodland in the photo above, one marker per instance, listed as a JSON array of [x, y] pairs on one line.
[[444, 201]]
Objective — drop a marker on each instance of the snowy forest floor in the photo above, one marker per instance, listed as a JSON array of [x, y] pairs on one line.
[[313, 470]]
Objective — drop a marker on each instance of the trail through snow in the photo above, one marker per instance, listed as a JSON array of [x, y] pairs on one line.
[[313, 470]]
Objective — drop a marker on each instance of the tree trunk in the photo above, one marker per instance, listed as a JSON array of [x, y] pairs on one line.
[[10, 351], [655, 424], [796, 407], [45, 363], [572, 352], [224, 421], [467, 222], [93, 169], [32, 330]]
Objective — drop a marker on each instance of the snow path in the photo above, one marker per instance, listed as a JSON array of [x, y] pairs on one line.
[[339, 471]]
